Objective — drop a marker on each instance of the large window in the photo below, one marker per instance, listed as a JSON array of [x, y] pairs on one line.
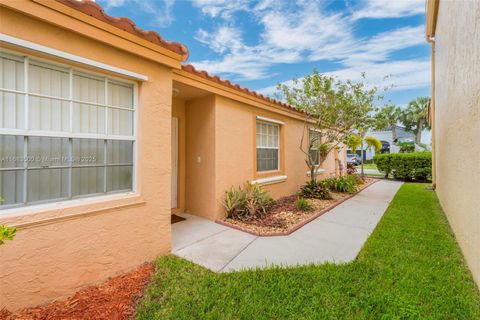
[[64, 133], [314, 142], [268, 156]]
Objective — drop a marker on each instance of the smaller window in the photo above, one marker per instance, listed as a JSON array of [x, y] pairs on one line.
[[314, 142], [268, 156]]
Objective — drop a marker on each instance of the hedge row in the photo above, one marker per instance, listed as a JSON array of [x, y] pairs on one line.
[[408, 166]]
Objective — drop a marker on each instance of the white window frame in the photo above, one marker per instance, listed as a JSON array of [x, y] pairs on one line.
[[271, 123], [70, 134]]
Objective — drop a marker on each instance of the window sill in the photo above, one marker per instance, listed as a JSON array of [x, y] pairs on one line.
[[44, 214], [317, 171], [269, 180]]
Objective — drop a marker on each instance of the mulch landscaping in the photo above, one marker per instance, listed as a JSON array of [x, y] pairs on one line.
[[284, 217], [114, 299]]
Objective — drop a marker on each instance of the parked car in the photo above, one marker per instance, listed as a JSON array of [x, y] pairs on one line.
[[353, 159]]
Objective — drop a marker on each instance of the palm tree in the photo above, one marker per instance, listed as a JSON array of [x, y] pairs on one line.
[[414, 117], [387, 118], [355, 141]]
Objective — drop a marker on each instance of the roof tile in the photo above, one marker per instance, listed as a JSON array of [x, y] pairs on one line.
[[94, 10], [204, 74]]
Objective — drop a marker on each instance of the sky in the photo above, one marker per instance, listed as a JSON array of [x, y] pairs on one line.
[[259, 44]]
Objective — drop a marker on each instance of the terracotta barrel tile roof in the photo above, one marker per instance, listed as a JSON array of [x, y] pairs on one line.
[[94, 10], [204, 74]]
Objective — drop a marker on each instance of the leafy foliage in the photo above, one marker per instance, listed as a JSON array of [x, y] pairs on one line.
[[387, 117], [303, 204], [345, 184], [351, 169], [315, 190], [6, 233], [414, 117], [251, 201], [407, 146], [408, 166], [353, 142], [334, 108], [374, 143]]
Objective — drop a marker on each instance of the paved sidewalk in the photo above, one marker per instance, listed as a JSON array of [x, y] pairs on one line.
[[337, 236]]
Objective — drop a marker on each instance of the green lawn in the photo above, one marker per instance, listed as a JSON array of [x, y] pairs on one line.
[[367, 166], [410, 268]]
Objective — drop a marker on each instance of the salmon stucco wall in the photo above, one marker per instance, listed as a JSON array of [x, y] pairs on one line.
[[235, 151], [60, 248], [200, 156], [457, 122]]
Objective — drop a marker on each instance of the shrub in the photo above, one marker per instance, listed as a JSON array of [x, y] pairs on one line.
[[407, 166], [406, 146], [351, 169], [315, 190], [346, 184], [360, 179], [251, 201], [303, 204], [6, 233]]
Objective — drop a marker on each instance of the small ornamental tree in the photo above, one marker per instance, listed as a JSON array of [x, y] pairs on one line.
[[333, 108]]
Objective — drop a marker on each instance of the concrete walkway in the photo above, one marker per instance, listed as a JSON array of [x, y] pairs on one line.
[[337, 236]]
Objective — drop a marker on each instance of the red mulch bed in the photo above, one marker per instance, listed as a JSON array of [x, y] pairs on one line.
[[284, 217], [113, 299]]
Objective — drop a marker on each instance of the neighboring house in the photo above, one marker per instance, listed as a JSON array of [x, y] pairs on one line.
[[453, 29], [104, 133], [388, 145]]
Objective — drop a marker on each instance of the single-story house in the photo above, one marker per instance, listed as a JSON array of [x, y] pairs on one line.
[[104, 132], [388, 145], [453, 29]]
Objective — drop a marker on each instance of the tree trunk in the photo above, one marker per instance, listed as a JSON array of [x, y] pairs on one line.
[[313, 176], [418, 136], [361, 157], [394, 135]]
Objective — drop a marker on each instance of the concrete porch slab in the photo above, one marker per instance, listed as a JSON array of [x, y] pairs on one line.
[[337, 236]]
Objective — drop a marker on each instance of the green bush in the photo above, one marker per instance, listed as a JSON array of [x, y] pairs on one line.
[[303, 204], [407, 166], [6, 233], [315, 190], [406, 147], [346, 184], [251, 201]]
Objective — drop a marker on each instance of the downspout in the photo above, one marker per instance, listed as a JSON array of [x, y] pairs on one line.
[[432, 118], [431, 40], [431, 9]]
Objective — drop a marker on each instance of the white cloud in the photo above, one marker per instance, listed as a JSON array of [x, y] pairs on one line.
[[381, 46], [222, 8], [161, 10], [223, 39], [388, 9], [289, 36], [295, 34], [402, 74]]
